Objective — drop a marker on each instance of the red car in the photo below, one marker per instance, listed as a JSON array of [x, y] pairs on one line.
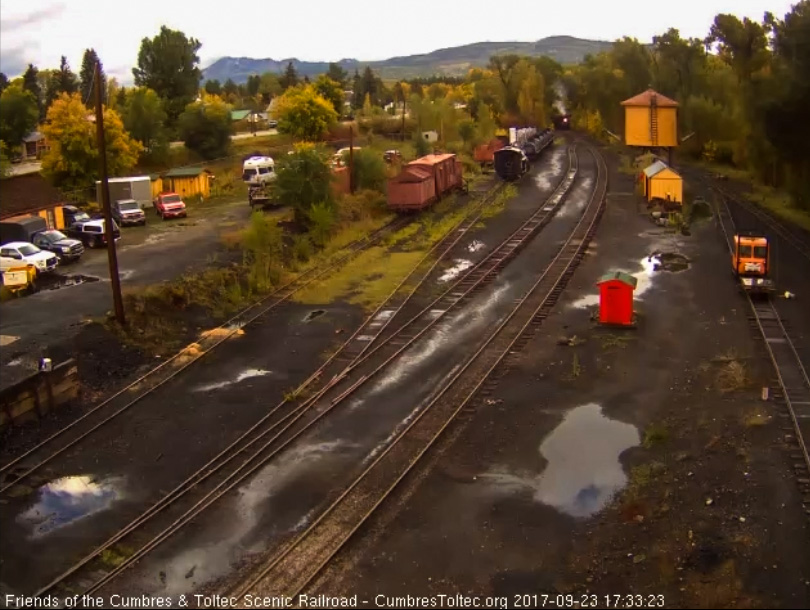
[[170, 205]]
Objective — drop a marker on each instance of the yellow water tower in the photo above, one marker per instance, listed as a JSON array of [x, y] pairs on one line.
[[651, 120]]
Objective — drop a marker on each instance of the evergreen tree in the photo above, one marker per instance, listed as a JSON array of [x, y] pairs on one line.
[[31, 84], [86, 75], [289, 78]]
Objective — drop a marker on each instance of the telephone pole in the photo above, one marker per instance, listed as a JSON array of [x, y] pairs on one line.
[[112, 256], [351, 159]]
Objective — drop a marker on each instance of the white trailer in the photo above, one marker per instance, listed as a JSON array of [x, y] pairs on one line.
[[138, 188]]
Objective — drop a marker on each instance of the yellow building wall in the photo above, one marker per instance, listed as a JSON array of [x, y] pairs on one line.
[[188, 187], [637, 126], [666, 183], [58, 217], [157, 187]]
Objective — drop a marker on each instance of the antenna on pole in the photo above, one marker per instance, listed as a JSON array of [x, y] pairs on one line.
[[112, 256]]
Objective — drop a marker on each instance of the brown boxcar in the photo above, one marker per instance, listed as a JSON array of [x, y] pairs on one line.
[[413, 189], [446, 170], [485, 153]]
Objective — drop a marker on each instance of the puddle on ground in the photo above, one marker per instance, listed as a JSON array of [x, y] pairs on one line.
[[650, 265], [63, 281], [246, 374], [314, 314], [543, 178], [15, 362], [382, 317], [66, 500], [459, 266], [583, 471], [154, 239], [475, 246]]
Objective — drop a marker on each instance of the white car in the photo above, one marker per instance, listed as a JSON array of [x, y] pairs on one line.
[[21, 254]]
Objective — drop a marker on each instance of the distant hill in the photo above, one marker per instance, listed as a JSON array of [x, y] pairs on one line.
[[453, 61]]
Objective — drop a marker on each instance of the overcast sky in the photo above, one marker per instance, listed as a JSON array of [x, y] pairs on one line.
[[40, 31]]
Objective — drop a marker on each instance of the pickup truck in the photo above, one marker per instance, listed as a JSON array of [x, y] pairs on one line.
[[64, 247], [170, 205], [91, 232], [20, 254]]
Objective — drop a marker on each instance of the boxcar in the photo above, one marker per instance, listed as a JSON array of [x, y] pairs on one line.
[[413, 189]]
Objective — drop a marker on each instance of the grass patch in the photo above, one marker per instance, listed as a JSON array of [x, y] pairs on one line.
[[731, 377], [498, 204], [640, 478], [626, 166], [655, 434], [369, 279], [115, 556], [755, 419]]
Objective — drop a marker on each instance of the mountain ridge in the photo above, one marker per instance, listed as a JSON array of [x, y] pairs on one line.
[[448, 61]]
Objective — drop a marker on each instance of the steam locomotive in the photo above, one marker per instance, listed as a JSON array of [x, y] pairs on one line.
[[512, 161]]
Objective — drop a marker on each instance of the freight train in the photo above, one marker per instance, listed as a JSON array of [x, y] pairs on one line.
[[425, 181], [512, 161], [562, 122]]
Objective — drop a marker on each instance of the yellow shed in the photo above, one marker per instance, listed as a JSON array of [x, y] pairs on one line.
[[188, 182], [156, 184], [662, 182], [650, 120]]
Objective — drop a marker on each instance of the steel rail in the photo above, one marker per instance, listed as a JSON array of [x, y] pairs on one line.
[[218, 491], [339, 522]]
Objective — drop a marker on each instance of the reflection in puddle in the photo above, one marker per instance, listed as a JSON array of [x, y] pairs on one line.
[[66, 500], [458, 267], [650, 265], [583, 470], [543, 178], [475, 246], [246, 374]]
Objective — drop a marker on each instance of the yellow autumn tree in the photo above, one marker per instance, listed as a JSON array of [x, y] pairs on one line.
[[305, 114], [531, 96], [72, 161]]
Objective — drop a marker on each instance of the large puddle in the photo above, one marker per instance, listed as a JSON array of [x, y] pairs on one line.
[[650, 266], [544, 178], [459, 266], [583, 471], [218, 385], [67, 500]]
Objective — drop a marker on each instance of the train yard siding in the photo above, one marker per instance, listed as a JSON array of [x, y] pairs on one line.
[[631, 461]]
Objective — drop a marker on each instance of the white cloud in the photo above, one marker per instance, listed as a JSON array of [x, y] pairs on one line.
[[40, 31]]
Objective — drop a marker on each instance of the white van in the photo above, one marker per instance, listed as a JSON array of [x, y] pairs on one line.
[[257, 171]]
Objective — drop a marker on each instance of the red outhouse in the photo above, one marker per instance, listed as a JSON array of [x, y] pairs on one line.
[[616, 298]]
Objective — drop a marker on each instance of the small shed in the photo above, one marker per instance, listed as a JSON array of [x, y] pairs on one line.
[[662, 182], [188, 181], [34, 145], [650, 120], [616, 298]]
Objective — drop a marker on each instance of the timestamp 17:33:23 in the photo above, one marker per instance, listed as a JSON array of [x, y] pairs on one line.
[[589, 600]]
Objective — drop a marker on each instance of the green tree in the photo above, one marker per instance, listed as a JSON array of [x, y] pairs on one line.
[[368, 169], [145, 120], [357, 89], [206, 128], [304, 114], [330, 90], [467, 131], [321, 220], [304, 179], [19, 114], [5, 161], [269, 87], [72, 160], [3, 82], [253, 83], [338, 74], [290, 77], [230, 88], [67, 82], [213, 87], [169, 65], [113, 89], [87, 78], [31, 84]]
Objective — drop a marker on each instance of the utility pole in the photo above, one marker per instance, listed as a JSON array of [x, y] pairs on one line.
[[351, 159], [402, 89], [112, 257]]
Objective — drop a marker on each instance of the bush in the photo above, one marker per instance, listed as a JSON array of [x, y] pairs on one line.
[[386, 125], [421, 146], [369, 169], [321, 217], [301, 248], [304, 178], [262, 243], [362, 205]]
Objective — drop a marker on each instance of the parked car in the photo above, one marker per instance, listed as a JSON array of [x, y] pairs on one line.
[[66, 248], [272, 123], [73, 215], [170, 205], [20, 253], [91, 232], [128, 212], [258, 171]]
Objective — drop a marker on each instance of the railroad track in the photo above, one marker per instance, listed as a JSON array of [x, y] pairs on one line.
[[798, 242], [294, 568], [791, 374], [202, 490]]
